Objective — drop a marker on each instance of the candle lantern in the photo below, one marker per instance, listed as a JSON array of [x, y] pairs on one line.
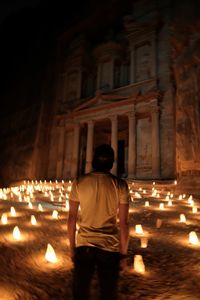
[[16, 233], [139, 266], [40, 208], [50, 255], [33, 220], [161, 205], [194, 209], [55, 214], [144, 242], [12, 211], [139, 229], [193, 239], [4, 219], [182, 218]]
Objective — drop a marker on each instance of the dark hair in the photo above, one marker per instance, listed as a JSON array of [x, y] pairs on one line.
[[103, 158]]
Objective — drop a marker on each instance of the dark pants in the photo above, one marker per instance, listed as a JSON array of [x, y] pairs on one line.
[[106, 263]]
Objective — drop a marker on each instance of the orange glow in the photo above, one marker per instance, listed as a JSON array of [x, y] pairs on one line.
[[33, 220], [139, 266], [182, 218], [158, 223], [16, 233], [12, 211], [30, 205], [144, 242], [55, 214], [40, 208], [194, 209], [161, 206], [50, 255], [193, 239], [139, 229], [4, 219]]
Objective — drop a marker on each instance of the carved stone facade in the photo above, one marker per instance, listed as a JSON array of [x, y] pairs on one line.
[[117, 91]]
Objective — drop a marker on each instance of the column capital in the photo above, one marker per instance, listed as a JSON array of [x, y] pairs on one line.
[[131, 114], [90, 123], [155, 108], [113, 118]]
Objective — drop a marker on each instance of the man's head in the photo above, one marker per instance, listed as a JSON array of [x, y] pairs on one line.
[[103, 158]]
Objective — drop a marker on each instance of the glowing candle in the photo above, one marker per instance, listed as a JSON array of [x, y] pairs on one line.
[[12, 211], [194, 209], [50, 255], [4, 219], [193, 239], [55, 214], [167, 197], [158, 223], [139, 266], [169, 203], [189, 199], [16, 234], [143, 242], [192, 202], [40, 208], [67, 205], [175, 182], [30, 205], [182, 218], [33, 220], [180, 197], [138, 229], [161, 206], [69, 188], [146, 203]]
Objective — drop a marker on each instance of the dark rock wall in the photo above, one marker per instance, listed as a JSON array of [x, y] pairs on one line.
[[186, 67]]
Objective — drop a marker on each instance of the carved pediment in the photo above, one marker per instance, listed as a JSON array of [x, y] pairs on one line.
[[100, 100]]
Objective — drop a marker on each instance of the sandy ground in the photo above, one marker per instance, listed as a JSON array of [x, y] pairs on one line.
[[172, 264]]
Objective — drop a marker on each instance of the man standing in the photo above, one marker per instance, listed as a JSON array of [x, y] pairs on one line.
[[99, 243]]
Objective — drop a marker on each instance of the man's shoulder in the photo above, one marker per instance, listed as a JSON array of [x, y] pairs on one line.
[[119, 180]]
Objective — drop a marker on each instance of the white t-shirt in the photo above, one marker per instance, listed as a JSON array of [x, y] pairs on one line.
[[99, 195]]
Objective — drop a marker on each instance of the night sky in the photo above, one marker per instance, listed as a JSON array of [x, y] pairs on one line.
[[29, 30]]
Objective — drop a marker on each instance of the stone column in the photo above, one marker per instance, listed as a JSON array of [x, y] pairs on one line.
[[75, 153], [60, 152], [155, 139], [132, 144], [114, 141], [89, 149]]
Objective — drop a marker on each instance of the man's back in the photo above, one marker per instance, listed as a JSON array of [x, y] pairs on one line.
[[99, 195]]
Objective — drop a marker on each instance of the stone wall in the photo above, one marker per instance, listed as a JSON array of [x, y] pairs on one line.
[[186, 56]]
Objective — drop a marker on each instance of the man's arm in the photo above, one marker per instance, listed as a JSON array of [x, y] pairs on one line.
[[73, 213], [124, 227]]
